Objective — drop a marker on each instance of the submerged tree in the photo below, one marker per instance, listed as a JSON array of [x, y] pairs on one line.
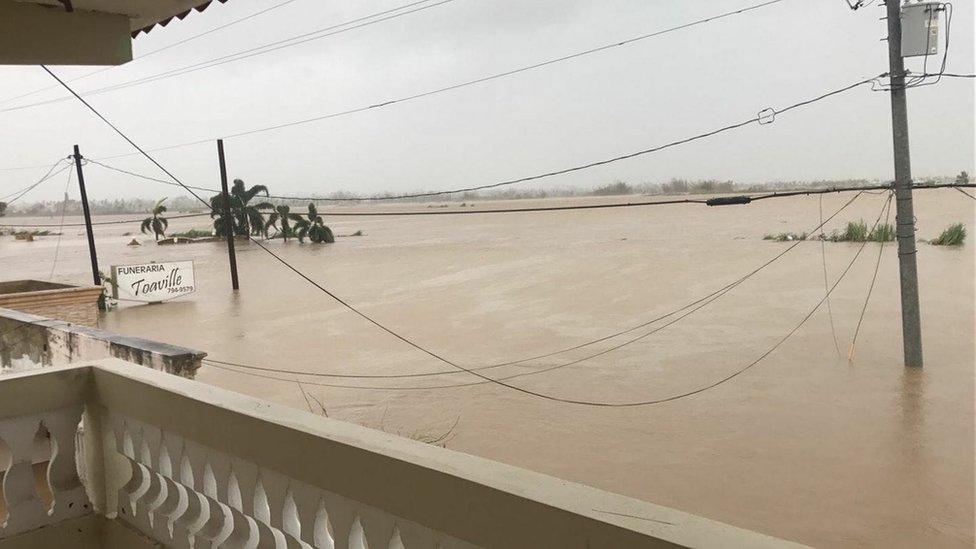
[[313, 227], [245, 218], [282, 218], [157, 223]]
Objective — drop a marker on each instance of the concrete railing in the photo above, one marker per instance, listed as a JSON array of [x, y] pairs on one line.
[[187, 464], [29, 341]]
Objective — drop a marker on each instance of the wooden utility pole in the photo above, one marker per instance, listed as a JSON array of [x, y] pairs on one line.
[[228, 220], [905, 216], [88, 222]]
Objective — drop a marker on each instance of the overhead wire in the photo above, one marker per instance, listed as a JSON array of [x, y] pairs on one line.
[[53, 171], [434, 354], [580, 167], [874, 278], [752, 197], [632, 404], [511, 72], [704, 301], [823, 257], [57, 247]]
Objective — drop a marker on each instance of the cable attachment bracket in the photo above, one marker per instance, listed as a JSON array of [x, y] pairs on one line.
[[766, 116]]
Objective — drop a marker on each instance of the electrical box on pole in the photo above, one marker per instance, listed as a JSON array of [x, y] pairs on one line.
[[920, 29]]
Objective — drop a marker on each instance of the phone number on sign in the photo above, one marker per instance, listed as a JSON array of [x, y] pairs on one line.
[[180, 289]]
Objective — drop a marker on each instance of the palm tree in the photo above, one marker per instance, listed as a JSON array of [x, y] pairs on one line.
[[313, 227], [283, 218], [246, 218], [157, 223]]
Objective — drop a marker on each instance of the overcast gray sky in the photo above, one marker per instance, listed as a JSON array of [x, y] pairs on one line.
[[602, 105]]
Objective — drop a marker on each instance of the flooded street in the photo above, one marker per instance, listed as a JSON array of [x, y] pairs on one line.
[[803, 445]]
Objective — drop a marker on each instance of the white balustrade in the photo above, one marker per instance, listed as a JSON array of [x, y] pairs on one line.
[[190, 465]]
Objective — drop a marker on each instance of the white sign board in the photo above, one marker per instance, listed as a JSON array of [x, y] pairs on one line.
[[152, 282]]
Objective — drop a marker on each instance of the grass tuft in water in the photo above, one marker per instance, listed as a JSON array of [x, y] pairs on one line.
[[193, 233], [954, 235], [785, 237]]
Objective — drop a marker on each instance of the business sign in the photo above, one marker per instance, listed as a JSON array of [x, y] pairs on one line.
[[153, 282]]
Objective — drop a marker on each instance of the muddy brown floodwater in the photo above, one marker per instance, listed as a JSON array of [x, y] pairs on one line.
[[804, 445]]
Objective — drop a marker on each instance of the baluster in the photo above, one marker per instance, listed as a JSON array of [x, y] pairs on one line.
[[342, 514], [70, 498], [150, 455], [174, 504], [25, 511], [210, 520], [377, 526], [306, 499]]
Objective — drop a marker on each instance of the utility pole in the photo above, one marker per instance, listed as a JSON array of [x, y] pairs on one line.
[[905, 216], [88, 222], [229, 224]]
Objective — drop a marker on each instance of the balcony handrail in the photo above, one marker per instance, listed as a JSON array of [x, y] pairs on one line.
[[381, 479]]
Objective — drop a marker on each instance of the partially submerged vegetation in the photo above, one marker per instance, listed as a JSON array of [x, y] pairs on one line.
[[247, 217], [27, 234], [954, 235], [854, 231], [193, 233], [785, 237], [857, 231]]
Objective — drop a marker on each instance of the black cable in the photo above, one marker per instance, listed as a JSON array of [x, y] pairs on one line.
[[700, 302], [754, 120], [44, 177], [153, 52], [751, 198], [118, 222], [366, 21], [609, 404], [965, 193], [874, 278], [64, 206], [416, 346], [458, 85], [50, 173], [823, 257]]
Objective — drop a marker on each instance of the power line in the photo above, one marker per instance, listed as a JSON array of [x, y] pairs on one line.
[[735, 198], [868, 189], [99, 223], [64, 205], [433, 354], [273, 46], [610, 404], [153, 52], [451, 87], [700, 302], [874, 278], [964, 192], [50, 173], [761, 118], [823, 257]]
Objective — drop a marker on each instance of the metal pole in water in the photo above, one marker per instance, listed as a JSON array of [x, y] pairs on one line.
[[229, 224], [88, 222], [905, 216]]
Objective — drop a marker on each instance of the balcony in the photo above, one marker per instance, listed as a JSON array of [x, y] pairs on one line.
[[107, 453]]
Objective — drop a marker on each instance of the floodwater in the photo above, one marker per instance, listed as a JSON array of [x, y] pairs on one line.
[[804, 445]]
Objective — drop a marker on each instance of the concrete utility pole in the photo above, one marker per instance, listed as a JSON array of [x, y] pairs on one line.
[[88, 221], [905, 215]]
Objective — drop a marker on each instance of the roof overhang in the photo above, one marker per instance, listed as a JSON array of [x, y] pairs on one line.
[[81, 32]]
